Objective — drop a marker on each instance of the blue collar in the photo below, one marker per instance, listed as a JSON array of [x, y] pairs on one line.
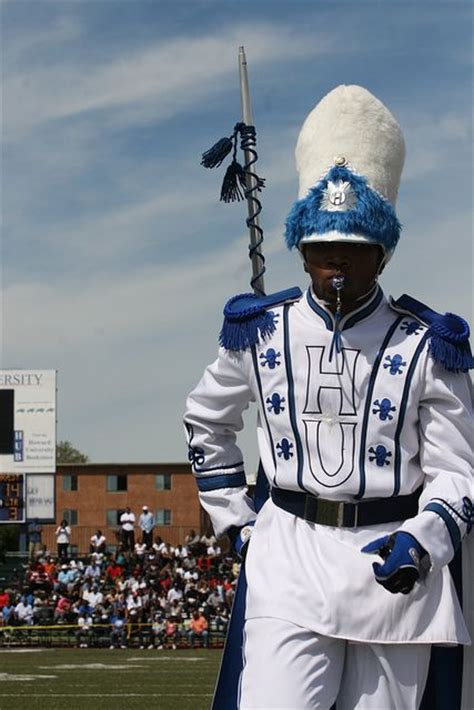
[[350, 319]]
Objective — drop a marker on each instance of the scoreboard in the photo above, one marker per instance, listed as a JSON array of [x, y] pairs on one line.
[[12, 498], [27, 421], [27, 444]]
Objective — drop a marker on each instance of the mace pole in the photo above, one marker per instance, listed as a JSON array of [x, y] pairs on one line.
[[254, 208]]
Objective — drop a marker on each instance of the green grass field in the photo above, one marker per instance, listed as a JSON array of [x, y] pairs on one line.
[[80, 679]]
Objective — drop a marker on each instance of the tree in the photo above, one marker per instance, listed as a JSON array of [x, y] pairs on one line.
[[66, 453]]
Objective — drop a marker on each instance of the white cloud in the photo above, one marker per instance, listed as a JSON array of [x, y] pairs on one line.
[[23, 45], [41, 315], [127, 350], [153, 83], [435, 142], [141, 206]]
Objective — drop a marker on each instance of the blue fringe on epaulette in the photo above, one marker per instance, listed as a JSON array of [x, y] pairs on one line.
[[448, 333], [450, 346], [240, 335], [247, 320]]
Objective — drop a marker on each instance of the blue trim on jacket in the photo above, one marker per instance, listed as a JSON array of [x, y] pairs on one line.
[[366, 311], [368, 405], [218, 468], [353, 319], [328, 321], [403, 407], [291, 397], [226, 480], [453, 528]]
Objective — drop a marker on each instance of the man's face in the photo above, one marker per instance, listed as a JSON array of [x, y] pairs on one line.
[[358, 263]]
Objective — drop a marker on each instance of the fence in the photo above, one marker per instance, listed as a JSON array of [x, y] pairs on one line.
[[97, 636]]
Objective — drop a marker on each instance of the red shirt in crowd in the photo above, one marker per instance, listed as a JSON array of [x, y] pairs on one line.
[[204, 563], [199, 624], [114, 570], [50, 569]]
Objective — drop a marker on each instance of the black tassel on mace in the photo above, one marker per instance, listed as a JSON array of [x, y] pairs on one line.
[[234, 184], [213, 157]]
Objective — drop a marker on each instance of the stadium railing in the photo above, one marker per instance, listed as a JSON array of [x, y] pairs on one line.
[[98, 636]]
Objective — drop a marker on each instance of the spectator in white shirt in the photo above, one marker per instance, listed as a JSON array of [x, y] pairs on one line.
[[93, 598], [174, 594], [140, 549], [24, 612], [63, 538], [98, 541], [146, 522], [127, 522], [181, 552]]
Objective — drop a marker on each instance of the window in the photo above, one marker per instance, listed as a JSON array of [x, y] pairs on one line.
[[117, 482], [70, 516], [70, 482], [163, 517], [163, 481], [113, 518]]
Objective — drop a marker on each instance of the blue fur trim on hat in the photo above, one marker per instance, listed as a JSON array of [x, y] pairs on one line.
[[247, 320], [372, 216], [449, 334]]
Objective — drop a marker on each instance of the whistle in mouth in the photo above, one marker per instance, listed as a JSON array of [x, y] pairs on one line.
[[337, 283]]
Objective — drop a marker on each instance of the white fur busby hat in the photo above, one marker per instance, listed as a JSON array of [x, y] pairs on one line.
[[349, 156]]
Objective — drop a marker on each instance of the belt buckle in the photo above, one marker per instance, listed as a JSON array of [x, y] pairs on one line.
[[347, 515], [328, 512], [334, 513], [340, 515]]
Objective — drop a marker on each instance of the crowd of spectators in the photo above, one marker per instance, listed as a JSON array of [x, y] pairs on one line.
[[153, 596]]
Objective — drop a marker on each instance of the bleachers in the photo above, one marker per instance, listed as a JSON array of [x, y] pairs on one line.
[[52, 626]]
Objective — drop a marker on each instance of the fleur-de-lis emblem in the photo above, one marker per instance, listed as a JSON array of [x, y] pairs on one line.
[[270, 358], [196, 455], [284, 449], [396, 363], [383, 409], [275, 403], [380, 455], [411, 327]]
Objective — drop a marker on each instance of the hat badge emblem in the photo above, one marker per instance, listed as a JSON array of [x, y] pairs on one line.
[[338, 196]]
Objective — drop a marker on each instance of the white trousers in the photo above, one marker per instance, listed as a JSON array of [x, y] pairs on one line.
[[288, 667]]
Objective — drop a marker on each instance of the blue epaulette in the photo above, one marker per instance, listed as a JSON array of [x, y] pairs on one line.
[[448, 333], [247, 318]]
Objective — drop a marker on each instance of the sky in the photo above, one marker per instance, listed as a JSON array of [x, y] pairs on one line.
[[117, 256]]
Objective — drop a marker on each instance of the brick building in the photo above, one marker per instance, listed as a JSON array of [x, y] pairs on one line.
[[92, 496]]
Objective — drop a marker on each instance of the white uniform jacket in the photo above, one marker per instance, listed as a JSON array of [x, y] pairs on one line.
[[361, 411]]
